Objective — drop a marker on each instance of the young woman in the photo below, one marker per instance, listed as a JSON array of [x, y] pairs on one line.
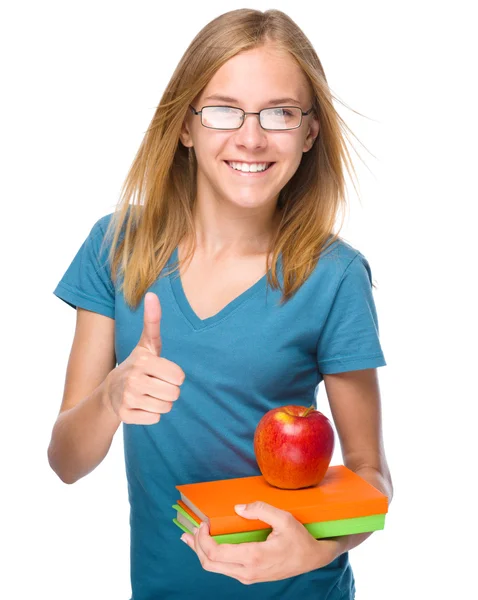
[[216, 292]]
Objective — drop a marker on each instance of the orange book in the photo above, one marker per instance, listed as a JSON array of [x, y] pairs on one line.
[[342, 494]]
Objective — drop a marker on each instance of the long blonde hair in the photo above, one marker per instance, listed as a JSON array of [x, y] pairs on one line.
[[155, 211]]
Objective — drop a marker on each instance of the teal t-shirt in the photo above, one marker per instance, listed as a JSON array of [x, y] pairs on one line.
[[252, 356]]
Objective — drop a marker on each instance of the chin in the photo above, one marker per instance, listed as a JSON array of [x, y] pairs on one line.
[[249, 202]]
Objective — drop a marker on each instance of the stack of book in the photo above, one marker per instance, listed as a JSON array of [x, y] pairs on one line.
[[343, 503]]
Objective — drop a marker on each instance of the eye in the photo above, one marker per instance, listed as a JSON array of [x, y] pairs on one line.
[[282, 112]]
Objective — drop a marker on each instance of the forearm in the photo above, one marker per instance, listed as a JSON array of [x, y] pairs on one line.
[[82, 436], [383, 483]]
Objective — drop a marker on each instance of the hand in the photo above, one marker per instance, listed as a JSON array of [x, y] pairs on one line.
[[271, 560], [145, 385]]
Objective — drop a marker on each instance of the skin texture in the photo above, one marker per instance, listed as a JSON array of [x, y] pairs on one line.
[[235, 217], [270, 560], [354, 398]]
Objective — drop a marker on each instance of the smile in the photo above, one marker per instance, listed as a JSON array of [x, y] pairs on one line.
[[254, 173]]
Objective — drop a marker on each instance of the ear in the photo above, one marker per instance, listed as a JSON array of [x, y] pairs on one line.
[[185, 134], [312, 133]]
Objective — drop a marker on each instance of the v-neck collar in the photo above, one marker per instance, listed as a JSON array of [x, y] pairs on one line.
[[186, 309]]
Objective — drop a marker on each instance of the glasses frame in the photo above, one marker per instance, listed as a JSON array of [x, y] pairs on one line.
[[244, 113]]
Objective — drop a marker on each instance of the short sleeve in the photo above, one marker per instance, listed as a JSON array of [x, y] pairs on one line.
[[349, 340], [87, 281]]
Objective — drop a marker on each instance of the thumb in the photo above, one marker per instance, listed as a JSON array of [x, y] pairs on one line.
[[271, 515], [151, 335]]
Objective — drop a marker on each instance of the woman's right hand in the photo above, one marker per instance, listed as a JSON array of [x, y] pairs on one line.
[[145, 385]]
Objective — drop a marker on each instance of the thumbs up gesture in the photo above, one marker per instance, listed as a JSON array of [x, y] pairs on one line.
[[145, 385]]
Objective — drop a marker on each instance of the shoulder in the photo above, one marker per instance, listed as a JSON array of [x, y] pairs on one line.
[[340, 249], [342, 259], [339, 267], [103, 222], [100, 227]]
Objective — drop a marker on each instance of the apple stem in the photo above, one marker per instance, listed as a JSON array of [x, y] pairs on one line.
[[311, 407]]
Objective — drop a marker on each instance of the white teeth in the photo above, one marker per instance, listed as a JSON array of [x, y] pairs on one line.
[[252, 168]]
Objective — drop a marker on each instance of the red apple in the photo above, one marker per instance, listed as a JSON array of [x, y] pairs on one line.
[[293, 446]]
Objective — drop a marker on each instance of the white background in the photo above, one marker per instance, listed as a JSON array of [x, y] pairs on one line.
[[80, 85]]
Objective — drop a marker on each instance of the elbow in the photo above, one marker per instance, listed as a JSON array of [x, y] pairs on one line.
[[390, 488], [378, 477], [387, 478], [60, 471], [66, 479], [387, 484]]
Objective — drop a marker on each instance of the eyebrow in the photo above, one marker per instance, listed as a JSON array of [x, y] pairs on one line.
[[222, 98]]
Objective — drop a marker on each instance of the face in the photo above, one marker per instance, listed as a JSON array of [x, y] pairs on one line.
[[252, 79]]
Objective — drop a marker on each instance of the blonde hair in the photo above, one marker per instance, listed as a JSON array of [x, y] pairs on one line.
[[155, 211]]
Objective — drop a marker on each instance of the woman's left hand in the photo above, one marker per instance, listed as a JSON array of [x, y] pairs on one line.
[[289, 549]]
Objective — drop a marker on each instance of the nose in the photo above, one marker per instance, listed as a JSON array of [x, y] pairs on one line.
[[251, 134]]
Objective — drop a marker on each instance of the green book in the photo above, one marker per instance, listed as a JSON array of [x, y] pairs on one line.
[[323, 529]]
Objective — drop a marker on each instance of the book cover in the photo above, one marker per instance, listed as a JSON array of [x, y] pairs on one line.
[[324, 529], [342, 494]]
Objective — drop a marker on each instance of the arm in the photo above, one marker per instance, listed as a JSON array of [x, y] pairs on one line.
[[355, 403], [84, 429], [354, 399]]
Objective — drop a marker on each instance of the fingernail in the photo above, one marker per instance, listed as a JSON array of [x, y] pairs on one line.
[[195, 529]]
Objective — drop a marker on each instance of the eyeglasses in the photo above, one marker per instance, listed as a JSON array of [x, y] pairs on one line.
[[279, 118]]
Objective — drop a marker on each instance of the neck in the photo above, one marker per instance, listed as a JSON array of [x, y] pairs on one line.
[[229, 233]]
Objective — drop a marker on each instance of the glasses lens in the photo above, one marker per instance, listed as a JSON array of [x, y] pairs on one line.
[[221, 117], [281, 118]]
